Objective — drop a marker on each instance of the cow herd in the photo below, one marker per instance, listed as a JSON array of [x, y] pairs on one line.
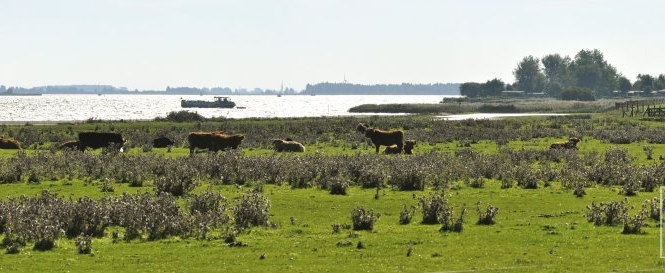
[[215, 141]]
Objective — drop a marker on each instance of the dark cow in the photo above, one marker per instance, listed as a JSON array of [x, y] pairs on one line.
[[96, 140], [287, 145], [386, 138], [570, 144], [408, 148], [162, 142], [213, 141], [6, 143], [71, 145]]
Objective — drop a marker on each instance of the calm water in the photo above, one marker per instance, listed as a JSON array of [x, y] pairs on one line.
[[60, 108]]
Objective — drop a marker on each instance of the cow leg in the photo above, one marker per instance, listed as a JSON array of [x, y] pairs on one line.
[[377, 148]]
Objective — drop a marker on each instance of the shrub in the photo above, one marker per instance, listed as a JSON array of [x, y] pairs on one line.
[[182, 116], [609, 213], [433, 207], [177, 180], [338, 185], [633, 225], [208, 210], [406, 214], [408, 180], [251, 210], [84, 244], [363, 219], [486, 217], [450, 223]]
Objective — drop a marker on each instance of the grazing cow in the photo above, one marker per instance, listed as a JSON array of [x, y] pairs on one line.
[[213, 141], [386, 138], [6, 143], [96, 140], [287, 145], [71, 145], [162, 142], [408, 148], [570, 144]]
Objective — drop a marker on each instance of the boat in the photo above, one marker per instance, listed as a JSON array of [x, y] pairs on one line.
[[219, 102]]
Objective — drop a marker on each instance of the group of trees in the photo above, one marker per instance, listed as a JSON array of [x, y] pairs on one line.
[[586, 76], [381, 89]]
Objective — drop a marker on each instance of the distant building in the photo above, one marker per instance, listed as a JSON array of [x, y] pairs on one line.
[[512, 93]]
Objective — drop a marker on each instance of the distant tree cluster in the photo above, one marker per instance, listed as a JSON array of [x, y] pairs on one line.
[[584, 77], [382, 89]]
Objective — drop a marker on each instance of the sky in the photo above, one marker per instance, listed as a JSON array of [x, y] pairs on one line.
[[267, 44]]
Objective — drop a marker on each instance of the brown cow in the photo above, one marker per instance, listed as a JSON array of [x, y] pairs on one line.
[[287, 145], [6, 143], [213, 141], [408, 148], [362, 127], [570, 144], [386, 138]]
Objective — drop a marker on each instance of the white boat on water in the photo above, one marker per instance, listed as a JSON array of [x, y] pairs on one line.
[[219, 102]]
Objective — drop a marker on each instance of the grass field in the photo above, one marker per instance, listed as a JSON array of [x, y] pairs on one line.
[[535, 230]]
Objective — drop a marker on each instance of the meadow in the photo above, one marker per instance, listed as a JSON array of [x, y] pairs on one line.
[[476, 196]]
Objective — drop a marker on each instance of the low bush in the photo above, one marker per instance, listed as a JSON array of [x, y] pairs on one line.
[[363, 219], [253, 209]]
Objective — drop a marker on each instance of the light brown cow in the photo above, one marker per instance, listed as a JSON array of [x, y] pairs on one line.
[[386, 138], [287, 145], [570, 144]]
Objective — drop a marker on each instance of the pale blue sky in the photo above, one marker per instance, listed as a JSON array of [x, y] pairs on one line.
[[151, 44]]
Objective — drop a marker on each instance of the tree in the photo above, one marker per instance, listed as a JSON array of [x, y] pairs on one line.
[[590, 70], [528, 75], [624, 85], [493, 87], [470, 89], [644, 82], [556, 70], [660, 82]]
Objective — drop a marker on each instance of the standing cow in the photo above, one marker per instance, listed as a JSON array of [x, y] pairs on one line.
[[386, 138], [213, 141], [95, 140], [162, 142]]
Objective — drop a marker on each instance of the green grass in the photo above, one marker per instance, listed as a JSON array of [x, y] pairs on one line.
[[540, 230]]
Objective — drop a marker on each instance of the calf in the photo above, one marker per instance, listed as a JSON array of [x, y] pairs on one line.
[[408, 148]]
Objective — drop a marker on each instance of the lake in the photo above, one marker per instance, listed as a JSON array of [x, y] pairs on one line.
[[66, 108]]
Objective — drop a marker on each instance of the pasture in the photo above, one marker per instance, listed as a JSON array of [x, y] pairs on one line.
[[545, 198]]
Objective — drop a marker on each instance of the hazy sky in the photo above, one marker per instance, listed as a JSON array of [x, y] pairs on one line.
[[151, 44]]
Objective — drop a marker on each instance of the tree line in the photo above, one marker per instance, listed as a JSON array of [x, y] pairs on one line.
[[586, 76], [344, 88]]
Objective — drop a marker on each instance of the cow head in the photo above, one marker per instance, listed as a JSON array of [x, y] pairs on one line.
[[362, 127]]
